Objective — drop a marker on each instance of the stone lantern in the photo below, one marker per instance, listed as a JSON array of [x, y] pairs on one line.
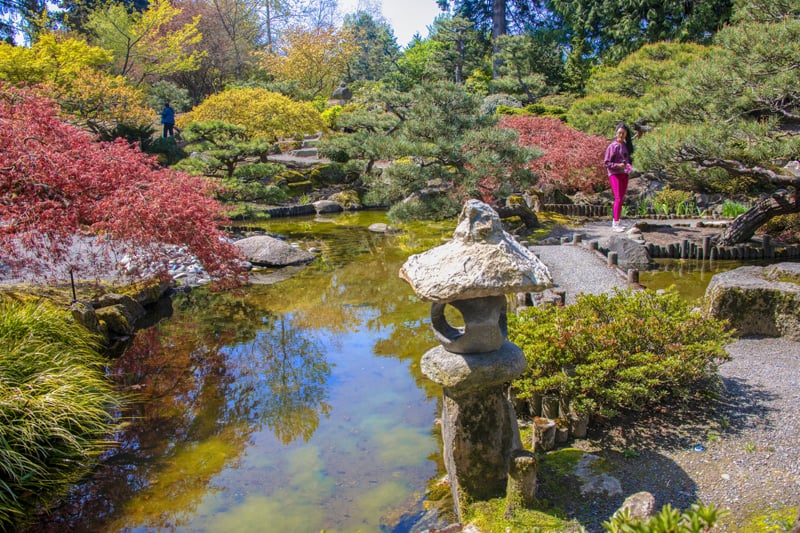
[[474, 364]]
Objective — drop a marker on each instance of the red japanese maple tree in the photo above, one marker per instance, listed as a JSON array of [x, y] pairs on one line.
[[61, 189], [572, 160]]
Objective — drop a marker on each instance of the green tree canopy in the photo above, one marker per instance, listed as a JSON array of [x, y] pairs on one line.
[[441, 149], [615, 28], [143, 43], [629, 91], [730, 122], [376, 47]]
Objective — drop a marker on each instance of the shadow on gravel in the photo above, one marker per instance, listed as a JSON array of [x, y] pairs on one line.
[[635, 449]]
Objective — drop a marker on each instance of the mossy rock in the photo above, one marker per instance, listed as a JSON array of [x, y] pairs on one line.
[[348, 199], [119, 312], [117, 319], [300, 186], [291, 176]]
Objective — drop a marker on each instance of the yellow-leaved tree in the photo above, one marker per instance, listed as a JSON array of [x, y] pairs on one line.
[[68, 70], [262, 113], [146, 44], [53, 58], [315, 59]]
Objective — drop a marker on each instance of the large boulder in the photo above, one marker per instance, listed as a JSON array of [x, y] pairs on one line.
[[264, 250], [324, 207], [758, 300], [119, 312], [630, 254]]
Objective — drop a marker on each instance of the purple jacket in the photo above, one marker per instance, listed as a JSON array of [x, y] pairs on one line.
[[616, 158]]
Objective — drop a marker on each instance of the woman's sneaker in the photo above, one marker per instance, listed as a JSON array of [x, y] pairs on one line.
[[615, 226]]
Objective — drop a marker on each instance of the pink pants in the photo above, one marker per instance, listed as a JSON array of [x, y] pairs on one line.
[[619, 186]]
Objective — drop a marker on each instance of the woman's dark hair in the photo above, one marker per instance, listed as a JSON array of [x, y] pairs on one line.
[[628, 141]]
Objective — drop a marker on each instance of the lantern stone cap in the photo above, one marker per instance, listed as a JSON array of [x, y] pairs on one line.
[[481, 260]]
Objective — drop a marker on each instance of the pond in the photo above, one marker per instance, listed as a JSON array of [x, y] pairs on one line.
[[293, 406], [297, 406], [689, 277]]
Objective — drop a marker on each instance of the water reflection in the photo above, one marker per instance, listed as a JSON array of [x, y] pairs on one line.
[[297, 406], [689, 277]]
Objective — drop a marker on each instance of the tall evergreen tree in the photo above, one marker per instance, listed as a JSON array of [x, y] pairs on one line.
[[376, 47], [615, 28], [499, 16]]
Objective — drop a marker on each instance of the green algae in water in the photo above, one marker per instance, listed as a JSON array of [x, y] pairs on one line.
[[688, 277]]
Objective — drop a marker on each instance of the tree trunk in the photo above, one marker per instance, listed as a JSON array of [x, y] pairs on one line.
[[745, 225], [499, 27]]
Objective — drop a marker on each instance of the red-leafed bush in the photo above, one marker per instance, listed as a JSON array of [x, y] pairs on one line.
[[572, 160], [61, 190]]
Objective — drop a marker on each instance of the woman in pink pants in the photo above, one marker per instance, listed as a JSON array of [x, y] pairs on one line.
[[618, 164]]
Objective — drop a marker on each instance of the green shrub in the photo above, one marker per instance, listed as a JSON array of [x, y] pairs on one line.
[[233, 190], [492, 101], [622, 352], [141, 134], [731, 209], [258, 171], [55, 406], [505, 110], [784, 228], [166, 147], [330, 117], [333, 173], [696, 519], [428, 207], [203, 165], [670, 201], [543, 110]]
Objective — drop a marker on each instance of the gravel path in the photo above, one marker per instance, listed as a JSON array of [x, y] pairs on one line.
[[577, 269], [739, 450]]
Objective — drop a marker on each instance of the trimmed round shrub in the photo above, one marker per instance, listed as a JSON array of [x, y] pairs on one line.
[[492, 101], [627, 351], [258, 171]]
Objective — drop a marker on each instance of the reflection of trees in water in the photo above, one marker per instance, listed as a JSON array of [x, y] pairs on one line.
[[229, 364], [196, 405], [282, 378]]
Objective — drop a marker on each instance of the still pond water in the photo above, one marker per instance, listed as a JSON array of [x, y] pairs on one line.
[[297, 406]]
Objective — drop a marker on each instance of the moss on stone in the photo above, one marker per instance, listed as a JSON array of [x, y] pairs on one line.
[[492, 517], [771, 521]]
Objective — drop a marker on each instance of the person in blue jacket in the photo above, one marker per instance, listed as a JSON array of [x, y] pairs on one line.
[[168, 120]]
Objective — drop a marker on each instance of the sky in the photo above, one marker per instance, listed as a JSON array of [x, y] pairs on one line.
[[406, 17]]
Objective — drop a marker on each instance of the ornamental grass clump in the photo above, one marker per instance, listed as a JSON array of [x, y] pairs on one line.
[[56, 407], [627, 351]]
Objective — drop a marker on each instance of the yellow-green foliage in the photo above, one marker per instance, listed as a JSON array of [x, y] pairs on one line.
[[51, 58], [330, 115], [697, 519], [261, 112], [291, 176], [349, 199], [146, 43], [600, 113], [55, 405], [70, 71], [668, 200]]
